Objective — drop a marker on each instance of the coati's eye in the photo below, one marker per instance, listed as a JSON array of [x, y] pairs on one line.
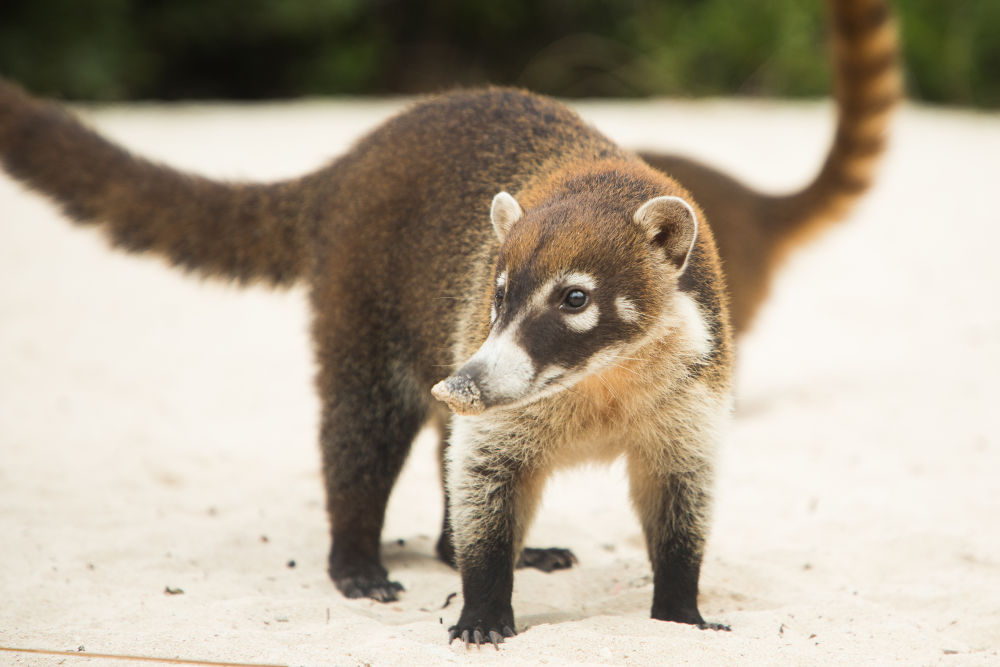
[[575, 299]]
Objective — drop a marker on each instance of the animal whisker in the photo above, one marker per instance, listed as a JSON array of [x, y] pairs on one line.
[[626, 368], [608, 387]]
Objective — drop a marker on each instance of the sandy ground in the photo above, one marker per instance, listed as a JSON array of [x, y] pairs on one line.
[[157, 431]]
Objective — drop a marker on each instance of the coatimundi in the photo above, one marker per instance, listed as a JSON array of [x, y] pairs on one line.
[[575, 293]]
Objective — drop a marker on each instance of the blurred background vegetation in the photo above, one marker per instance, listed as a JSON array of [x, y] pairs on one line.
[[250, 49]]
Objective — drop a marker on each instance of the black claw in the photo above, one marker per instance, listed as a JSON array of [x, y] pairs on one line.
[[387, 593], [452, 634], [465, 638], [508, 631], [477, 637], [496, 638]]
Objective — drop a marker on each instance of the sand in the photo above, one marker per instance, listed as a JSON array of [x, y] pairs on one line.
[[159, 432]]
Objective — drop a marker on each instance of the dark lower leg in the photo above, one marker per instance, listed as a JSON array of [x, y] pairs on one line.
[[445, 545], [355, 563], [487, 586], [676, 568], [364, 448], [674, 512]]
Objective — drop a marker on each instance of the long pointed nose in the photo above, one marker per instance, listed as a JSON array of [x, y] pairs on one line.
[[460, 392]]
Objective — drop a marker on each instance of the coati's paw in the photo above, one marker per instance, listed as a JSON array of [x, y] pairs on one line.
[[374, 586], [547, 560], [714, 626], [688, 616], [480, 632]]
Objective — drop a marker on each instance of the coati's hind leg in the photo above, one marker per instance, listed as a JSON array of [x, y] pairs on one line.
[[371, 414], [547, 559], [445, 543], [673, 508]]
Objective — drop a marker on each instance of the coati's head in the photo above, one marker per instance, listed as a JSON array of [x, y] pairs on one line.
[[579, 283]]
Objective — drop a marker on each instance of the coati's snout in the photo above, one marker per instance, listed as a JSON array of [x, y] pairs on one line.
[[500, 373]]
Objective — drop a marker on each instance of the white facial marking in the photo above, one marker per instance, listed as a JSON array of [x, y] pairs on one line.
[[502, 279], [583, 321], [540, 297], [509, 370], [693, 324], [584, 280], [627, 311]]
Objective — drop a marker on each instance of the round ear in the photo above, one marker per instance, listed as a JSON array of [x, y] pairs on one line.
[[671, 224], [504, 212]]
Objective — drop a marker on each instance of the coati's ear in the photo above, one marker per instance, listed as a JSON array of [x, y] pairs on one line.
[[504, 212], [671, 224]]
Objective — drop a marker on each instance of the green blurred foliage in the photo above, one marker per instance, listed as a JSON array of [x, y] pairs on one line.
[[953, 50], [246, 49]]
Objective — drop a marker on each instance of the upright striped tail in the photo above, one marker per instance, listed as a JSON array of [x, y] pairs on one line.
[[867, 87]]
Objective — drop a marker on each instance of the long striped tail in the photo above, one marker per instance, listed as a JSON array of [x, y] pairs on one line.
[[246, 232]]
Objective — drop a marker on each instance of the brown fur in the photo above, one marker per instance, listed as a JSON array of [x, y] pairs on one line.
[[756, 231]]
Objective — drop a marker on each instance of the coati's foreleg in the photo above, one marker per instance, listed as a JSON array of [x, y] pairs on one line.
[[547, 559], [673, 508], [494, 487], [372, 411]]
